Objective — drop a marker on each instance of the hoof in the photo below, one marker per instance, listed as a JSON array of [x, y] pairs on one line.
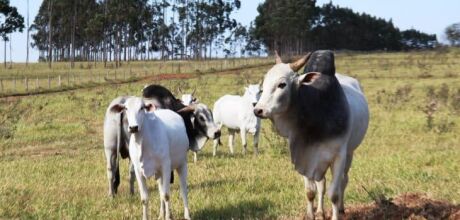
[[320, 216]]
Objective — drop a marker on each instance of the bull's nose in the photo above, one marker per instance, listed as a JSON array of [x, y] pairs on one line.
[[217, 134], [133, 129], [258, 112]]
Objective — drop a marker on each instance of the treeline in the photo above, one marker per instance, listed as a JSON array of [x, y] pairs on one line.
[[293, 26], [124, 30]]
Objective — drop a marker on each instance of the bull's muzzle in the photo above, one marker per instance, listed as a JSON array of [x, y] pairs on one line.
[[133, 129], [259, 112]]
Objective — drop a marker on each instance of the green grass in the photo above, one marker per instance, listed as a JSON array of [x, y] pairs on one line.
[[52, 164]]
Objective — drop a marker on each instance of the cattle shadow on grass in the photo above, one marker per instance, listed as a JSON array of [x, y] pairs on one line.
[[242, 210]]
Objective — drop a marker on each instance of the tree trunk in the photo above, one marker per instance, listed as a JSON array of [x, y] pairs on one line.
[[27, 41], [74, 21], [50, 35]]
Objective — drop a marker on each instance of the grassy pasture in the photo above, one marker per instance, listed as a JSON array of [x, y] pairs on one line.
[[38, 78], [52, 164]]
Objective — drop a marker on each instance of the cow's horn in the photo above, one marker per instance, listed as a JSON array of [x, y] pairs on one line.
[[277, 57], [194, 90], [295, 66], [189, 108]]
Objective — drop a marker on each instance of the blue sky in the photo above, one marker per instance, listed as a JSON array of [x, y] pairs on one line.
[[426, 15]]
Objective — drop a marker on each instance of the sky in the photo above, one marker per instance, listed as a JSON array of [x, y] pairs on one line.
[[425, 15]]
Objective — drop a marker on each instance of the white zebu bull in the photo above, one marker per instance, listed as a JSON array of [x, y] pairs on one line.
[[158, 145], [237, 114], [325, 117]]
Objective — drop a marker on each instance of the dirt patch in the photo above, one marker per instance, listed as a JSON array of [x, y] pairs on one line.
[[406, 206]]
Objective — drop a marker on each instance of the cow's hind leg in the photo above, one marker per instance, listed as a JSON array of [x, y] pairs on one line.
[[231, 138], [310, 188], [182, 171], [256, 142], [243, 140], [112, 171]]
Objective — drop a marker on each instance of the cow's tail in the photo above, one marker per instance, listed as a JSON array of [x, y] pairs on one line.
[[119, 143]]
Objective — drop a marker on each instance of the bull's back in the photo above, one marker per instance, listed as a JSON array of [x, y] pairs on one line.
[[112, 124], [359, 110], [227, 111]]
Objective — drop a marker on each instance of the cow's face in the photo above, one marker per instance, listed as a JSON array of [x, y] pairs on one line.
[[188, 99], [203, 118], [276, 95], [253, 92], [136, 110], [278, 87]]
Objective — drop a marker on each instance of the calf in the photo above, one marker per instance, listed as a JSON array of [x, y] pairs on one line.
[[323, 115], [158, 145], [236, 113]]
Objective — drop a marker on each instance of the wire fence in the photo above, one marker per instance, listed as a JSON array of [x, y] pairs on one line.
[[27, 83]]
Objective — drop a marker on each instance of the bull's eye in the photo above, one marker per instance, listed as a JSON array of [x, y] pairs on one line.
[[282, 85], [201, 118]]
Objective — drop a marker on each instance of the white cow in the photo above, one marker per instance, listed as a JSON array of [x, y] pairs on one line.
[[236, 113], [158, 145], [323, 115], [188, 98]]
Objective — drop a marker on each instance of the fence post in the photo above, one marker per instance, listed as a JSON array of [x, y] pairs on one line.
[[107, 75], [115, 75], [37, 84], [14, 84], [27, 84], [59, 81], [68, 79], [49, 82], [1, 85]]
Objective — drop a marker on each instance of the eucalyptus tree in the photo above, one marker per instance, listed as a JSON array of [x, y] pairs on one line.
[[10, 21]]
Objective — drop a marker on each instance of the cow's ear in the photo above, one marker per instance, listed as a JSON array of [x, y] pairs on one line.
[[117, 108], [149, 107], [308, 78]]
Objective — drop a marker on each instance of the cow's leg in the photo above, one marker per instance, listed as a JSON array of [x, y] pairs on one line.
[[310, 188], [166, 174], [111, 157], [162, 204], [132, 177], [231, 138], [338, 168], [195, 157], [143, 190], [214, 147], [182, 171], [345, 183], [320, 187], [256, 142], [243, 140]]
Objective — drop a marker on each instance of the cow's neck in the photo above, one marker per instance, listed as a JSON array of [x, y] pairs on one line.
[[317, 115], [199, 141]]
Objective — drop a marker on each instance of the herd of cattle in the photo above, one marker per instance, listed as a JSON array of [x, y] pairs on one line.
[[323, 114]]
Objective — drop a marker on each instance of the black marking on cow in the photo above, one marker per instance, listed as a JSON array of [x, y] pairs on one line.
[[322, 108]]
